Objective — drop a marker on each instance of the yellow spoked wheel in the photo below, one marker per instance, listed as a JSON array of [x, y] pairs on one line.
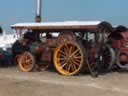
[[69, 58], [26, 62]]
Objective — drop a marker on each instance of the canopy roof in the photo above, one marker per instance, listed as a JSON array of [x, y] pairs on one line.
[[67, 25]]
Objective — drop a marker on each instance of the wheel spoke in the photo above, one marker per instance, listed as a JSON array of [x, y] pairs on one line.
[[75, 52], [78, 57], [62, 59], [66, 52], [67, 48], [70, 50], [63, 65], [74, 62], [69, 67], [77, 60], [66, 67], [73, 66], [62, 53]]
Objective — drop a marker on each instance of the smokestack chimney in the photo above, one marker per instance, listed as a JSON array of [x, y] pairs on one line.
[[38, 11]]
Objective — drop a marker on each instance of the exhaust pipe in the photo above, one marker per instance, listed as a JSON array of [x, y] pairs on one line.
[[38, 11]]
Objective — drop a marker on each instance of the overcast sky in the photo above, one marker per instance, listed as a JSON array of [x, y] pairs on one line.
[[15, 11]]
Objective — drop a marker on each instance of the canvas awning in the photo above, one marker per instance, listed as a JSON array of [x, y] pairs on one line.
[[57, 26]]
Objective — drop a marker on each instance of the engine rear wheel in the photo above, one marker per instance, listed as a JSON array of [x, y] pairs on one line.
[[26, 62], [69, 58]]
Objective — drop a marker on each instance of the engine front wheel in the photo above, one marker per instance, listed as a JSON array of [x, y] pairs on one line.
[[26, 62]]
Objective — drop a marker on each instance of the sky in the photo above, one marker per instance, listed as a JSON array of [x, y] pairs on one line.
[[17, 11]]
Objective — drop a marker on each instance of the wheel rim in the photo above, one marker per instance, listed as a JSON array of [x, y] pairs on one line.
[[26, 62], [68, 58], [123, 65]]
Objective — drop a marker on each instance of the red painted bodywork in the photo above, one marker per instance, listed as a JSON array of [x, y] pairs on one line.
[[122, 45]]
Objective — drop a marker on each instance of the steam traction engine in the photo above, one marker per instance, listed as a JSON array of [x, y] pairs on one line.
[[119, 43], [72, 47]]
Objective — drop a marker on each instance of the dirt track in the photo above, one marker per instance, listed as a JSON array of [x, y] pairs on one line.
[[16, 83]]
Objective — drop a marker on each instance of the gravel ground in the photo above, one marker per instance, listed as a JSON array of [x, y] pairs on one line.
[[16, 83]]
